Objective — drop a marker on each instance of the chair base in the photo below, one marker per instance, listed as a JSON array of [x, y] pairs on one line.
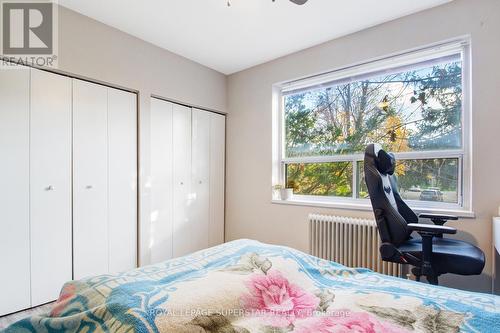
[[431, 278]]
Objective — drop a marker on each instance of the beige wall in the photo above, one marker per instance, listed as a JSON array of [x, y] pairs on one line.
[[249, 212], [93, 50]]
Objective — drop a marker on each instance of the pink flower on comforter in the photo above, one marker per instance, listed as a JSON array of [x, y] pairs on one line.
[[356, 322], [67, 293], [280, 301]]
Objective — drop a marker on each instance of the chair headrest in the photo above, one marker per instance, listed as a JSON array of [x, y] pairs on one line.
[[385, 162]]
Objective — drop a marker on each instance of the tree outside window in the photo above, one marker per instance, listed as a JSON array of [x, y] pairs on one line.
[[412, 111]]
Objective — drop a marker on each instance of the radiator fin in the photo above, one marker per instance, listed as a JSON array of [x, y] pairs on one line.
[[352, 242]]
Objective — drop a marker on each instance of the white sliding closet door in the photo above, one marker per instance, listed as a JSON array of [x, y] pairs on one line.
[[217, 176], [161, 181], [14, 196], [122, 163], [200, 205], [50, 185], [187, 180], [183, 231], [90, 180]]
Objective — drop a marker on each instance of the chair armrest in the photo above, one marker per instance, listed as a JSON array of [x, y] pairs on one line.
[[438, 219], [431, 229], [428, 232]]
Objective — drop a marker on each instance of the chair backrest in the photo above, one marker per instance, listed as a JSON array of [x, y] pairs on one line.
[[391, 212]]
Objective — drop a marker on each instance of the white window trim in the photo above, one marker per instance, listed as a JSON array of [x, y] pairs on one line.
[[463, 208]]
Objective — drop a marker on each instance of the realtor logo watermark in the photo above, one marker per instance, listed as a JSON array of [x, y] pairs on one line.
[[29, 32]]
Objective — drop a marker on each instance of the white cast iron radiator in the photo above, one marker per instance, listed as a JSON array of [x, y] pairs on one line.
[[349, 241]]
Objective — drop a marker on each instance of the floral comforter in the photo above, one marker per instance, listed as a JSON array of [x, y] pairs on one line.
[[247, 286]]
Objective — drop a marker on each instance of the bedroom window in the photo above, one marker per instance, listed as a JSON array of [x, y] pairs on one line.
[[415, 105]]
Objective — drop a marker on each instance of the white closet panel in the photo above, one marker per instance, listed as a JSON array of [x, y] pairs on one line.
[[200, 188], [161, 181], [217, 176], [90, 181], [122, 178], [14, 196], [50, 185], [182, 198]]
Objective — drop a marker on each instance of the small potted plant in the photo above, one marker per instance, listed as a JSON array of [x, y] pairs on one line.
[[277, 191]]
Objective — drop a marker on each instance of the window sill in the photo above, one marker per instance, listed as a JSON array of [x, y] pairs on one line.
[[367, 207]]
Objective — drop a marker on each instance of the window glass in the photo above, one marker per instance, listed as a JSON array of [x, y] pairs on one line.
[[422, 180], [322, 179], [416, 109], [413, 109]]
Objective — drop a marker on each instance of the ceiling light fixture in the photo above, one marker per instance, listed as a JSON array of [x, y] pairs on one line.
[[297, 2]]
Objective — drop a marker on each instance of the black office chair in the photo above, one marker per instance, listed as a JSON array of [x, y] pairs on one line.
[[430, 254]]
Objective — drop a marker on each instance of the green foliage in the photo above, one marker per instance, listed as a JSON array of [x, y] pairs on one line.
[[441, 121], [441, 173], [332, 179]]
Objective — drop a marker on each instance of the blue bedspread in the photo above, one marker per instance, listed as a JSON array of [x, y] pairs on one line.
[[247, 286]]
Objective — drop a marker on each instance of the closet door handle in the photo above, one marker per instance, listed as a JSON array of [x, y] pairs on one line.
[[182, 183], [89, 187], [49, 188]]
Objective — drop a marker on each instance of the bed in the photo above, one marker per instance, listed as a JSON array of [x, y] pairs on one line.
[[247, 286]]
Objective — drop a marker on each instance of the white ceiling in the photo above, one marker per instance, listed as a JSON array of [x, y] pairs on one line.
[[250, 32]]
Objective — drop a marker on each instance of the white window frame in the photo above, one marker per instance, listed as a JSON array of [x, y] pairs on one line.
[[464, 205]]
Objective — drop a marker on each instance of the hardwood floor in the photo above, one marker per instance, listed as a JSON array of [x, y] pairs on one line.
[[12, 318]]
